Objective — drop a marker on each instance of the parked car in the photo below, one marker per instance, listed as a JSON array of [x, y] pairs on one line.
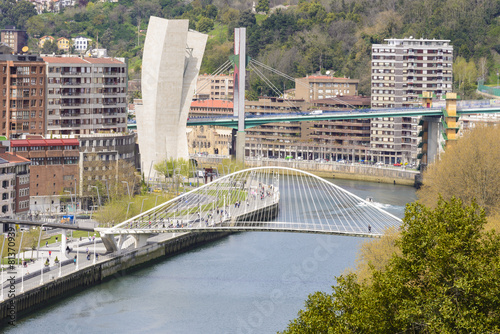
[[397, 164], [341, 161]]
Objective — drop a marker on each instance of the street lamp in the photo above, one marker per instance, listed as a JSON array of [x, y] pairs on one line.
[[128, 189], [1, 257], [98, 197], [94, 248], [39, 236], [142, 205], [20, 262], [128, 207], [77, 244], [70, 196], [156, 200], [41, 270]]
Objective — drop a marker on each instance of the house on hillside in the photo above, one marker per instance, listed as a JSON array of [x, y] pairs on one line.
[[44, 39], [63, 43]]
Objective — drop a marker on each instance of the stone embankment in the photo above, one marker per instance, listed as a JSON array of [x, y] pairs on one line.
[[113, 267], [395, 175]]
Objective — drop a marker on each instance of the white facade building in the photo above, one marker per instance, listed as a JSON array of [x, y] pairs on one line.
[[401, 71], [81, 43]]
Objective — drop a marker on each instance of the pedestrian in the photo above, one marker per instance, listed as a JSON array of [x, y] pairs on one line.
[[74, 260], [88, 257], [50, 253], [46, 244], [56, 239], [369, 228], [96, 256]]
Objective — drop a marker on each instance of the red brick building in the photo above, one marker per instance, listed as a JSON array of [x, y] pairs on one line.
[[22, 95]]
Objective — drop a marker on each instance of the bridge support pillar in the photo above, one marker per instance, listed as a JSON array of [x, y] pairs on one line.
[[109, 242], [141, 239], [450, 119]]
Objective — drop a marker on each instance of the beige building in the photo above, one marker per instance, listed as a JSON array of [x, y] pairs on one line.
[[218, 87], [315, 87], [86, 95], [210, 139], [15, 38]]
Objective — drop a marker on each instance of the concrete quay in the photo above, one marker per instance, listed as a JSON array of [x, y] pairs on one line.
[[72, 280]]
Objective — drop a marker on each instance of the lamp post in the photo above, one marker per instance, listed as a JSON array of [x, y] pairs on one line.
[[128, 189], [94, 248], [77, 244], [60, 265], [70, 196], [1, 257], [41, 270], [20, 262], [156, 200], [128, 207], [39, 236], [142, 205], [98, 197]]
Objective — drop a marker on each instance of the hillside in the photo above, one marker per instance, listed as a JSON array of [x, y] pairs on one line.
[[302, 38]]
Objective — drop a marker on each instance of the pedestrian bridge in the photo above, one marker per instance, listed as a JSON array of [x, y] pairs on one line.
[[277, 199]]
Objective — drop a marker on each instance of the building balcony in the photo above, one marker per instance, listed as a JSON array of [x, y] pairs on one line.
[[70, 73]]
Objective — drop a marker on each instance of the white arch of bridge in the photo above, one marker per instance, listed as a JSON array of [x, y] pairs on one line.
[[277, 199]]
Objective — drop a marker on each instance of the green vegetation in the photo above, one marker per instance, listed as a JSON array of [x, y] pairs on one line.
[[442, 280], [438, 273], [308, 37]]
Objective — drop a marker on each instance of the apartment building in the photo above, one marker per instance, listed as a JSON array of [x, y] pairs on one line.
[[106, 160], [22, 95], [15, 38], [86, 95], [275, 139], [210, 139], [402, 69], [54, 171], [315, 87], [219, 87], [15, 185]]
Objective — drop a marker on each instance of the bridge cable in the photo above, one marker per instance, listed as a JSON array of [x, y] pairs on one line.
[[286, 76]]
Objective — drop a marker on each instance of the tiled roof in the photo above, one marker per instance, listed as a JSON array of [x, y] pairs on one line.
[[78, 60], [64, 60], [323, 77], [44, 142], [212, 104], [12, 158]]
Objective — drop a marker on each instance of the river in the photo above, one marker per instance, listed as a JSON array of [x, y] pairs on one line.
[[245, 283]]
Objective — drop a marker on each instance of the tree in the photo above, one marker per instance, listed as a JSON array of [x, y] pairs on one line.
[[469, 170], [262, 6], [205, 24], [246, 19], [50, 47], [16, 13], [442, 281]]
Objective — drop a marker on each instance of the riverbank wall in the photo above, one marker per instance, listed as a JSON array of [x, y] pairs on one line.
[[114, 267], [396, 175], [345, 171]]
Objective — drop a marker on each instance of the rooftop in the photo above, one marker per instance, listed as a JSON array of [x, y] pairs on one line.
[[9, 157], [10, 57], [80, 60], [212, 104]]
